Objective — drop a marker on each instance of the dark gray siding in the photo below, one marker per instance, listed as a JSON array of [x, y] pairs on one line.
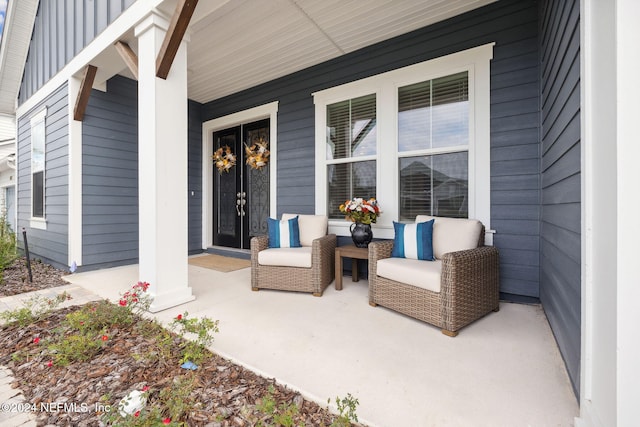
[[110, 176], [50, 245], [515, 195], [195, 177], [560, 277], [62, 29]]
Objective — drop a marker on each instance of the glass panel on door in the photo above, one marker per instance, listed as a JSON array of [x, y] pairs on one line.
[[241, 194]]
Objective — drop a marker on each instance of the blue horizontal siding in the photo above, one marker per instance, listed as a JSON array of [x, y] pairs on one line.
[[110, 176], [515, 120], [560, 248], [50, 245]]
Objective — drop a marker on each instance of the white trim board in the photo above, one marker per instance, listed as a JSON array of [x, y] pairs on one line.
[[261, 112]]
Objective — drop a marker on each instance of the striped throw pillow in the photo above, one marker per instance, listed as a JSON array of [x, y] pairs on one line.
[[413, 241], [284, 233]]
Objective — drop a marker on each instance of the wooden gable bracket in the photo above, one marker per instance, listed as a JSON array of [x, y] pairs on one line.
[[173, 38], [129, 57], [85, 92]]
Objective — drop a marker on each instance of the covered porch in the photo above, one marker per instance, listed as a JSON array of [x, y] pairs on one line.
[[504, 370]]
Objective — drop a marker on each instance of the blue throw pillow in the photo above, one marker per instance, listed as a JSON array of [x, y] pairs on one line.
[[284, 234], [413, 241]]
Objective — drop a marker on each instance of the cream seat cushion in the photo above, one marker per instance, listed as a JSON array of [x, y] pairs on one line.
[[453, 234], [419, 273], [286, 257], [311, 227]]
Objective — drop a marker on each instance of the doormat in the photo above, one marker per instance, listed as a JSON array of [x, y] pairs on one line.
[[221, 263]]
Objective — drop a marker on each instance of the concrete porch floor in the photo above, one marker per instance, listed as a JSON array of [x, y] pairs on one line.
[[504, 370]]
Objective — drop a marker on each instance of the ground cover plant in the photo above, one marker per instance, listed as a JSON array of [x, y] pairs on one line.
[[104, 363]]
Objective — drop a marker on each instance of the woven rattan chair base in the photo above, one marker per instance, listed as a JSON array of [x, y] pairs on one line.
[[469, 288], [313, 280]]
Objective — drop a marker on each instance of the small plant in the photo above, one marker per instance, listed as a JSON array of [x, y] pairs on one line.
[[76, 348], [35, 308], [161, 346], [177, 399], [99, 316], [136, 300], [281, 416], [202, 328], [8, 252], [346, 411]]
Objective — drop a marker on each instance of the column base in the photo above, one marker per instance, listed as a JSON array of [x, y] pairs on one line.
[[171, 299]]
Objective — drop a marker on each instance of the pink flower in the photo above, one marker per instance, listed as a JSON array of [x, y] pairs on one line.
[[36, 340], [137, 414], [145, 388], [123, 303], [50, 363], [166, 421], [104, 338], [179, 317]]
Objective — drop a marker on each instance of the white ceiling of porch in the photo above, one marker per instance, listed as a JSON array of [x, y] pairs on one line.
[[238, 44]]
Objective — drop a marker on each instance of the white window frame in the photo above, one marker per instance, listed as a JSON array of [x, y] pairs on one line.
[[476, 62], [36, 120]]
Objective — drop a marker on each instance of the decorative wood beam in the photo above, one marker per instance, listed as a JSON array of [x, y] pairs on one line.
[[173, 38], [85, 92], [129, 57]]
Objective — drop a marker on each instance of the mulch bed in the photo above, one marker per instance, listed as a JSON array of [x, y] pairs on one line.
[[224, 394], [15, 278]]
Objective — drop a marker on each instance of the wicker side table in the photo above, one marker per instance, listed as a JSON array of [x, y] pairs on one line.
[[350, 251]]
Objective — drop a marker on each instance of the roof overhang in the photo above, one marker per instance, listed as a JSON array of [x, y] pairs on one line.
[[18, 26]]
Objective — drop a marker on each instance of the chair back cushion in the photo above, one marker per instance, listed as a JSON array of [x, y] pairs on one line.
[[284, 233], [413, 241], [311, 227], [453, 234]]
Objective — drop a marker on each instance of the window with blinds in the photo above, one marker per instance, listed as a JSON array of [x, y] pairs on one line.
[[37, 167], [433, 145], [351, 151], [416, 138]]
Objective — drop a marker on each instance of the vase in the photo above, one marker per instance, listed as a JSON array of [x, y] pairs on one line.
[[361, 234]]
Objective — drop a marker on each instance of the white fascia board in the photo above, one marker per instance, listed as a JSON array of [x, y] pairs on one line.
[[125, 22]]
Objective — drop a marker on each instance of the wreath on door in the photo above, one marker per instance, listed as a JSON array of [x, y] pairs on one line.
[[257, 154], [224, 159]]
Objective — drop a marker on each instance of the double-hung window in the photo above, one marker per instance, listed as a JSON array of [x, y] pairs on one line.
[[38, 144], [351, 145], [433, 147], [415, 138]]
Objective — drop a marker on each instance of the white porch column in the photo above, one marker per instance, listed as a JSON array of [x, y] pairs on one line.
[[162, 122]]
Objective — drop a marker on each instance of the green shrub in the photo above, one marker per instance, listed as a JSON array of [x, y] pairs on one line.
[[8, 253]]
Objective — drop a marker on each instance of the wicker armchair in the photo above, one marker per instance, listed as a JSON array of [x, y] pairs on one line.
[[469, 287], [294, 278]]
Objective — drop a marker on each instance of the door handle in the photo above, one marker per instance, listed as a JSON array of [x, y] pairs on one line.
[[238, 208]]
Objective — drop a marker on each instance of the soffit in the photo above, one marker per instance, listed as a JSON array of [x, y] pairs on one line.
[[13, 52], [239, 44]]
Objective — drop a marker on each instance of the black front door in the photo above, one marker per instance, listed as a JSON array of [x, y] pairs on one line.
[[241, 194]]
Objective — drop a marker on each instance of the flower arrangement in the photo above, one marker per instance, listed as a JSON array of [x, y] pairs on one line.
[[224, 159], [361, 210], [257, 154]]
